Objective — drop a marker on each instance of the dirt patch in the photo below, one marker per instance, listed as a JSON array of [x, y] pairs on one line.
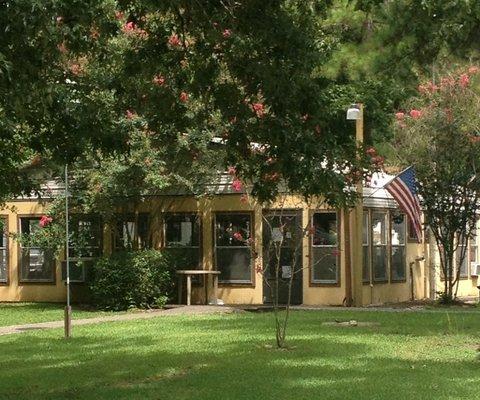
[[351, 324]]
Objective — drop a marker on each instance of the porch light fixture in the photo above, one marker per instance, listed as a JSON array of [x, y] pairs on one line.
[[354, 112]]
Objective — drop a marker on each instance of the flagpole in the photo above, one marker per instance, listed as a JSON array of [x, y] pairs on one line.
[[68, 308]]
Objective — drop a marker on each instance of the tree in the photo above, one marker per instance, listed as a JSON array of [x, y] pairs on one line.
[[440, 137]]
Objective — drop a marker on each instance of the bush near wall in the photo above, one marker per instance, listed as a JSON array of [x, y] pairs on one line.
[[133, 279]]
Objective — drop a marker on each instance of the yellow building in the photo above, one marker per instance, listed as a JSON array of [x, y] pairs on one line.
[[230, 233]]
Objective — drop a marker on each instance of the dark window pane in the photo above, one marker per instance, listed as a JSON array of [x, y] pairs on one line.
[[282, 229], [86, 237], [325, 229], [132, 232], [379, 228], [232, 229], [398, 263], [78, 270], [37, 266], [324, 264], [3, 265], [379, 263], [366, 264], [234, 264], [182, 230]]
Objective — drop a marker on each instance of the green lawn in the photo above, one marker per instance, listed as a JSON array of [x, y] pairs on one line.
[[26, 313], [407, 356]]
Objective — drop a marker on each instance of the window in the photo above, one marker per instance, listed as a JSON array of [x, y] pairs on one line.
[[325, 255], [232, 253], [379, 245], [3, 251], [459, 253], [182, 239], [366, 247], [37, 265], [86, 232], [132, 232], [398, 257]]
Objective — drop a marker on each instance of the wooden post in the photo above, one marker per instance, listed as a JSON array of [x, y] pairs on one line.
[[358, 229], [189, 289]]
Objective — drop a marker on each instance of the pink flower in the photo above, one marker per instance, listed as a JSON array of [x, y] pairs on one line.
[[415, 114], [130, 114], [473, 70], [184, 97], [45, 221], [237, 185], [371, 151], [259, 109], [232, 170], [129, 27], [159, 80], [227, 33], [464, 80], [399, 116], [238, 236], [174, 40]]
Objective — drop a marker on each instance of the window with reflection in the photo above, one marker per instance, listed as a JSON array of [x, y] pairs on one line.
[[232, 247], [182, 239], [461, 256], [474, 261], [366, 247], [131, 232], [325, 253], [3, 251], [36, 265], [379, 245], [398, 258]]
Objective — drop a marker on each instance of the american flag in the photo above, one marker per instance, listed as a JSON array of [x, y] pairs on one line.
[[403, 190]]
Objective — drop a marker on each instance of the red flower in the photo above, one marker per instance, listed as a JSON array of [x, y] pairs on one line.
[[238, 236], [76, 69], [259, 109], [399, 116], [159, 80], [174, 40], [184, 97], [227, 33], [237, 185], [232, 170], [415, 114], [464, 80], [45, 221]]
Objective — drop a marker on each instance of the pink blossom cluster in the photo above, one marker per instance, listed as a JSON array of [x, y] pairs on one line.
[[45, 220], [131, 29]]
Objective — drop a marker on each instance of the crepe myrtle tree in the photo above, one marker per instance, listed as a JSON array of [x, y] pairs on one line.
[[440, 137], [280, 260]]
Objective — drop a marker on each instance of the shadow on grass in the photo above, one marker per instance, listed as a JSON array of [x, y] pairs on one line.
[[224, 357]]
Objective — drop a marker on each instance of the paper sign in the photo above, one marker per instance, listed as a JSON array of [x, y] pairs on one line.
[[286, 271]]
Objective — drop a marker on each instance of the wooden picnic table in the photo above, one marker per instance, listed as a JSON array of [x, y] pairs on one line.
[[189, 273]]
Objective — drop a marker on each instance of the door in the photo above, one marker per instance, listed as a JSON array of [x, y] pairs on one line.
[[282, 256]]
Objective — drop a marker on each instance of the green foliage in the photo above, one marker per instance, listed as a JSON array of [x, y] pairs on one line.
[[139, 279], [440, 137]]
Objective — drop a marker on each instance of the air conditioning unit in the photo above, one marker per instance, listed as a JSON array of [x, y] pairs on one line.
[[475, 268]]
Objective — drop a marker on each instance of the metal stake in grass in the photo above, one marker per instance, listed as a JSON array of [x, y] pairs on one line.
[[68, 308]]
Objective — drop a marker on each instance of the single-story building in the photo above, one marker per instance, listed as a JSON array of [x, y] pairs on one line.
[[231, 233]]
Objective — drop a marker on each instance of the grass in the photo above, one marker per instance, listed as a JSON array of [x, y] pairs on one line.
[[27, 313], [407, 355]]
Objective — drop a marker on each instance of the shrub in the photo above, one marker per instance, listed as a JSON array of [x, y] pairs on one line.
[[136, 279]]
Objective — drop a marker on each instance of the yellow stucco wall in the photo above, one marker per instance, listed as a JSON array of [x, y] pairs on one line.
[[245, 294]]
